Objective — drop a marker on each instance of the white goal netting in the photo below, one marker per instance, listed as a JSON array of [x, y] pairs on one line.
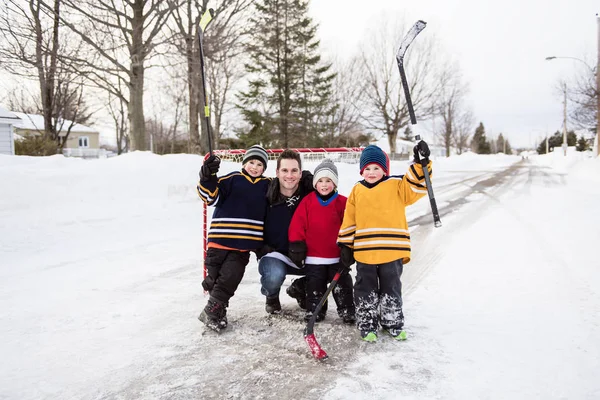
[[350, 155]]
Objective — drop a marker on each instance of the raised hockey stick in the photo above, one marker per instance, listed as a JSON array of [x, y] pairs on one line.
[[309, 336], [434, 210], [206, 18], [408, 39]]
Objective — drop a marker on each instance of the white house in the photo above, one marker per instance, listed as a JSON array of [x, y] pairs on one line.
[[83, 141], [7, 122]]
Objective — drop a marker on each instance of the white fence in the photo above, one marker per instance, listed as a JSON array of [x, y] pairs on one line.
[[86, 153]]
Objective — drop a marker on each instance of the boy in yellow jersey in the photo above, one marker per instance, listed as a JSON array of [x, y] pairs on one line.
[[375, 233]]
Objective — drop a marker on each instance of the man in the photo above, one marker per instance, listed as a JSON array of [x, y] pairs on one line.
[[283, 196]]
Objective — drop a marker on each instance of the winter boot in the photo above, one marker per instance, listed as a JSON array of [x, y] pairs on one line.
[[368, 336], [347, 315], [397, 333], [320, 316], [212, 314], [273, 306], [297, 290], [223, 320]]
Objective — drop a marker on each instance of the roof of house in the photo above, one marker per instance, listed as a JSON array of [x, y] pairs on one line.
[[4, 113], [36, 122]]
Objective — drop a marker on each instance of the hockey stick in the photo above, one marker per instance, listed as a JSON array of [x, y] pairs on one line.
[[309, 336], [206, 18], [434, 210], [408, 39]]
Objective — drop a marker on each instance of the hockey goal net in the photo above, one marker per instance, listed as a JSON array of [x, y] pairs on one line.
[[349, 155]]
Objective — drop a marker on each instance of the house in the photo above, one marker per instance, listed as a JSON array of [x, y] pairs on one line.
[[83, 141], [7, 122]]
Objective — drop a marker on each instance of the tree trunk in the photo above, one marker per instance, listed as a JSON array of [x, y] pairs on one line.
[[136, 82], [392, 141]]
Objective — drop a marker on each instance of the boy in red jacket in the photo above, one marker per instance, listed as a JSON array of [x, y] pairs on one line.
[[313, 243]]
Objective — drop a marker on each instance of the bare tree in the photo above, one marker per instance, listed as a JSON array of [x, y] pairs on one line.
[[31, 48], [222, 47], [463, 128], [117, 110], [450, 109], [122, 36], [385, 106], [344, 124], [584, 93]]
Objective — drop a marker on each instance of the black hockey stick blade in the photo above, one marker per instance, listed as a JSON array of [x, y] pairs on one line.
[[437, 222], [408, 39], [309, 335]]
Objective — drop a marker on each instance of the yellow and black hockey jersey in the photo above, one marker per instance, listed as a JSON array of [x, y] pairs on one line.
[[375, 218]]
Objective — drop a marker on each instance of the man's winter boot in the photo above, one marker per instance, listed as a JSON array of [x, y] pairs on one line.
[[297, 290], [212, 314], [273, 306]]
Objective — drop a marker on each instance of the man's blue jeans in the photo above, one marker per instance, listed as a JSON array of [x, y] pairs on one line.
[[272, 275]]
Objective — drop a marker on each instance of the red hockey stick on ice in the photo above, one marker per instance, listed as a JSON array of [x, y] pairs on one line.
[[309, 335]]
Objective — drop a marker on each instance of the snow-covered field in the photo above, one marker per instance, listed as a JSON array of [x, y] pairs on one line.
[[101, 264]]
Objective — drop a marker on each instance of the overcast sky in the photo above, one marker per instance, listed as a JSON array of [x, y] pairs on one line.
[[501, 47]]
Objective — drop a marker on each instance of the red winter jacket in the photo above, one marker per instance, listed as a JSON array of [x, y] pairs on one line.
[[318, 224]]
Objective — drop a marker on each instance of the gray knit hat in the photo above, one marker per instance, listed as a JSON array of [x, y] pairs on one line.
[[326, 169], [256, 152]]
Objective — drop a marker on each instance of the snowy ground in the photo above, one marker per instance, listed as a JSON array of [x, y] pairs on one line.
[[100, 270]]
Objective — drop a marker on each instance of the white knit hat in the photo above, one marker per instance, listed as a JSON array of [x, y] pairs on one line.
[[326, 169]]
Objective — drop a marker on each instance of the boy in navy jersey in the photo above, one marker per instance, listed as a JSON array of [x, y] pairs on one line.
[[313, 235], [236, 228]]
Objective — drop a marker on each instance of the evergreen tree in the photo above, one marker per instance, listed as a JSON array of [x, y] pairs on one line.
[[556, 141], [582, 144], [479, 143], [290, 88]]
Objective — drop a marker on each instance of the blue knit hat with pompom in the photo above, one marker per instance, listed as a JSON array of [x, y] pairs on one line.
[[373, 154]]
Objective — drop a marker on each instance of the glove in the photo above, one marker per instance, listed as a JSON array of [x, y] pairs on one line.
[[347, 256], [264, 250], [297, 253], [422, 153], [210, 167]]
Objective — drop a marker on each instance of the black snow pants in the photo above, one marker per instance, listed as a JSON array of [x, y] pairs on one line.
[[378, 296], [225, 270], [317, 278]]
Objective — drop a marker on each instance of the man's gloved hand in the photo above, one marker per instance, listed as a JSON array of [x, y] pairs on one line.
[[347, 256], [297, 253], [264, 250], [210, 167], [422, 152]]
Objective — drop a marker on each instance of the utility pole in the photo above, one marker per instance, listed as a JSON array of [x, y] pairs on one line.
[[565, 123], [598, 92]]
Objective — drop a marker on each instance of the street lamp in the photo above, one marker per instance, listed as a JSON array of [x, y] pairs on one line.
[[597, 92]]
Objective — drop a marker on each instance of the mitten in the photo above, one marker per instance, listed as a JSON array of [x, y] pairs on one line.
[[264, 250], [297, 253], [422, 153], [210, 167], [346, 256]]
